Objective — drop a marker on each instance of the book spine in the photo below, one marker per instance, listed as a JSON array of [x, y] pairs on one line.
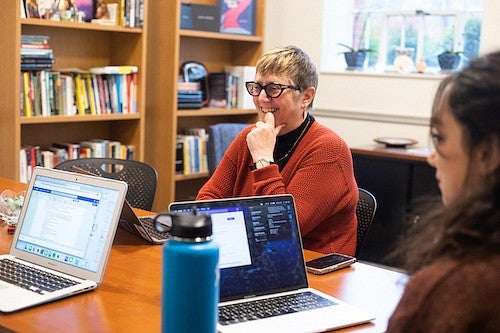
[[97, 98], [102, 96], [35, 79], [124, 93], [23, 166], [51, 93], [43, 92], [27, 94], [90, 94], [118, 83], [80, 105], [59, 94], [113, 96]]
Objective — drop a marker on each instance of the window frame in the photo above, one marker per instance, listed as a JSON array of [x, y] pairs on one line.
[[382, 65]]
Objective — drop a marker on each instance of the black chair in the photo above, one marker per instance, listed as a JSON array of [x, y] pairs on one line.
[[365, 211], [220, 137], [140, 177]]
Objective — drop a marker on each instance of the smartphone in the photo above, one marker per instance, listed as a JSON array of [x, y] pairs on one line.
[[328, 263]]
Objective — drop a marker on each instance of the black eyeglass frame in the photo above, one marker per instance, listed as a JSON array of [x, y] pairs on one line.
[[282, 87]]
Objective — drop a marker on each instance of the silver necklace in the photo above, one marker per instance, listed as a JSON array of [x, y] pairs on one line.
[[289, 152]]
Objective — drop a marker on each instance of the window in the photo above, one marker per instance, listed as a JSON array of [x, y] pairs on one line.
[[421, 29]]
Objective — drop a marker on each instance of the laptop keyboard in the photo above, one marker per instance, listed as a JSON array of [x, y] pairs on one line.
[[31, 278], [270, 307], [148, 223]]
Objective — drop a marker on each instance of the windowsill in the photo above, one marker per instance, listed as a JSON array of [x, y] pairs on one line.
[[368, 73]]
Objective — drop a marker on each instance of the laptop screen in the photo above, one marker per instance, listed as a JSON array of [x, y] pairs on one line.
[[260, 244], [67, 221]]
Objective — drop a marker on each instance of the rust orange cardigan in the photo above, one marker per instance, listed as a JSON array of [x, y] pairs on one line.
[[319, 175]]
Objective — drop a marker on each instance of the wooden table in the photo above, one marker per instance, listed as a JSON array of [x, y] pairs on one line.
[[129, 298]]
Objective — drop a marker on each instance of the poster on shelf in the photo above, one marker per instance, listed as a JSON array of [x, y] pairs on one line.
[[237, 16]]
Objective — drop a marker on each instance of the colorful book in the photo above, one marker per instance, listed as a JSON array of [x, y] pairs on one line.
[[90, 94], [28, 95]]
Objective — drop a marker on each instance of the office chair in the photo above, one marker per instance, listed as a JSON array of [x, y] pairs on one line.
[[220, 137], [140, 177], [365, 212]]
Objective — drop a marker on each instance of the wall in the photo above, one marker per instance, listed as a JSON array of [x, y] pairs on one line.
[[362, 106]]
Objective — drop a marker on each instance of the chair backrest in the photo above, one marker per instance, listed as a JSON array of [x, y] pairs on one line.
[[365, 212], [220, 137], [140, 177]]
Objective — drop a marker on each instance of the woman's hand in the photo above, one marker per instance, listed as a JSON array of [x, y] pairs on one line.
[[262, 138]]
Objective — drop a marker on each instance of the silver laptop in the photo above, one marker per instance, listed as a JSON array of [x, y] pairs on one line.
[[66, 228], [142, 227], [261, 260]]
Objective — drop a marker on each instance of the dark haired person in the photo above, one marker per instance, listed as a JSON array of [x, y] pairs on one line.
[[454, 253], [287, 151]]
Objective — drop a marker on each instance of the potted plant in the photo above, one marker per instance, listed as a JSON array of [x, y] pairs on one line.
[[449, 60], [354, 58], [355, 55]]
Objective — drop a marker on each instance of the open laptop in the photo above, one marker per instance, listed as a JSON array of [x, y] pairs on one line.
[[66, 228], [261, 258], [142, 227]]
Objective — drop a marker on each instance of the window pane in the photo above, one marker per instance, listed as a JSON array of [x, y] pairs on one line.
[[439, 36], [472, 35]]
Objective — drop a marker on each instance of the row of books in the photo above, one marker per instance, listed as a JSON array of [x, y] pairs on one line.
[[227, 89], [101, 90], [189, 95], [132, 13], [36, 52], [127, 13], [191, 151], [31, 156]]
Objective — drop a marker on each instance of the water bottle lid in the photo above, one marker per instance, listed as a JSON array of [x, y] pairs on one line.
[[186, 225]]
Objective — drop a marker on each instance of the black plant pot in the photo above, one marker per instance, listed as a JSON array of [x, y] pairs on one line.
[[355, 60], [448, 61]]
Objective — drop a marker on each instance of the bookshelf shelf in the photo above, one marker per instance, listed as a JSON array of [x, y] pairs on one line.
[[78, 26], [218, 35], [75, 45], [77, 119], [172, 47], [207, 112]]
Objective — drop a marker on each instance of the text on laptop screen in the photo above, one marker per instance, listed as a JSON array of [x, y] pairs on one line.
[[254, 233], [67, 221]]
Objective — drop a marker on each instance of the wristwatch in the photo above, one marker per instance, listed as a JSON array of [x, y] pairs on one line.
[[261, 163]]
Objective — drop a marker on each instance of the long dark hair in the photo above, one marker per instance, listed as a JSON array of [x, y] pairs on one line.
[[469, 227]]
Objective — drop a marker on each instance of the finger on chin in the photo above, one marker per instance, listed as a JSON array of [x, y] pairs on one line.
[[269, 118]]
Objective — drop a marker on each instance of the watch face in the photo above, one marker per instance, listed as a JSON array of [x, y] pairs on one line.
[[262, 163], [403, 64]]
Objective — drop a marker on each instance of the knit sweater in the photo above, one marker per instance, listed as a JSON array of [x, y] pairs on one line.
[[451, 296], [319, 175]]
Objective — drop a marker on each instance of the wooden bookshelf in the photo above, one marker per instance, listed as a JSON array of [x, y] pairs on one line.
[[80, 45], [169, 47]]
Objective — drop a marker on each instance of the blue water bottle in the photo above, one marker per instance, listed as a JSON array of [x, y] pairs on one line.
[[190, 282]]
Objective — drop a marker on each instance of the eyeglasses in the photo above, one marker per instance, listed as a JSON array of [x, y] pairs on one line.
[[273, 90]]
